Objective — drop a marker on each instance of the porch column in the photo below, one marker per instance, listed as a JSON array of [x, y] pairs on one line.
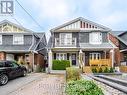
[[112, 56], [105, 54], [50, 60], [80, 58], [31, 56]]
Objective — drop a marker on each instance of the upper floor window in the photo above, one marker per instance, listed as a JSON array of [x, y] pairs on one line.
[[18, 39], [0, 39], [95, 38], [66, 38]]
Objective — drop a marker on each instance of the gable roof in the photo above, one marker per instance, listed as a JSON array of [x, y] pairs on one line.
[[123, 32], [81, 19], [16, 25], [118, 37]]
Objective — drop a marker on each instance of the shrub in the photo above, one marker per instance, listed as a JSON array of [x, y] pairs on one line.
[[72, 73], [82, 87], [100, 70], [106, 70], [38, 68], [60, 64], [111, 70], [94, 70]]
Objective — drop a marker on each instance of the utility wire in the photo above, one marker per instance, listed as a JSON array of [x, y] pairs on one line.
[[29, 14]]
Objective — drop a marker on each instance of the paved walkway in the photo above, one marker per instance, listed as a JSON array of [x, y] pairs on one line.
[[48, 85]]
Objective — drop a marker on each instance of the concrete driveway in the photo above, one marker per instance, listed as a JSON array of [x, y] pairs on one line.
[[20, 82], [48, 85]]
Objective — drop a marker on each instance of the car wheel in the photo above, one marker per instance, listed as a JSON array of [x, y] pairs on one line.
[[3, 79], [24, 73]]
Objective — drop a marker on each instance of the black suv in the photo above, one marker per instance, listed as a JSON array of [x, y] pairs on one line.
[[10, 70]]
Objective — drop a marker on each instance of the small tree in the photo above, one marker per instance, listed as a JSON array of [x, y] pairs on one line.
[[111, 70], [106, 70], [100, 70]]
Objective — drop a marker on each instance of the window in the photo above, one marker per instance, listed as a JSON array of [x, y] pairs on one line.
[[95, 56], [0, 39], [66, 39], [61, 56], [95, 38], [18, 39]]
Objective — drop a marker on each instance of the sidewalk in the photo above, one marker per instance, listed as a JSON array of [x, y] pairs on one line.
[[48, 85]]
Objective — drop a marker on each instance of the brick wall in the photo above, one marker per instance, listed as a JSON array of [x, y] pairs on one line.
[[39, 59], [114, 40], [2, 56], [117, 54]]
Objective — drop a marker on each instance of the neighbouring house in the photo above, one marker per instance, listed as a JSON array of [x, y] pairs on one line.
[[21, 44], [115, 40], [83, 43], [123, 47]]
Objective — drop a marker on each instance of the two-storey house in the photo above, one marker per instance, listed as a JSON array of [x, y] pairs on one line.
[[21, 44], [83, 42]]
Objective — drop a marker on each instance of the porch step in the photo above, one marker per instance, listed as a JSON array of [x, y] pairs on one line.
[[87, 69]]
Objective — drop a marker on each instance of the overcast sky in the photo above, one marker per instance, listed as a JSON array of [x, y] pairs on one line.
[[51, 13]]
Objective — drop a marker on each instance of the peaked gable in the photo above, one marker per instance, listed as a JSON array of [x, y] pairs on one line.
[[81, 24], [7, 26]]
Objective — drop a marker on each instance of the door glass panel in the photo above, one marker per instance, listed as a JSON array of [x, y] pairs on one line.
[[73, 58]]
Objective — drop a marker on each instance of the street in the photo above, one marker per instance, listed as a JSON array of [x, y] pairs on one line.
[[17, 83]]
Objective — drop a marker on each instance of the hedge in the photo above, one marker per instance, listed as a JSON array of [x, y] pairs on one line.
[[60, 64], [72, 73], [102, 70]]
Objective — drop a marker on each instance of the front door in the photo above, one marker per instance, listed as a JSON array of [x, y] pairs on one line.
[[73, 57]]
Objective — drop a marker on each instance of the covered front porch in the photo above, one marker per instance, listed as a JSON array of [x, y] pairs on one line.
[[28, 59], [104, 57]]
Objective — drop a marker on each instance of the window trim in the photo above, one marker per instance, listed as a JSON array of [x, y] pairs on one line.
[[59, 58], [16, 35], [1, 38], [91, 36], [66, 40]]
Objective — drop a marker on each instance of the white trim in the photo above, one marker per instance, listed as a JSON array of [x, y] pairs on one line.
[[63, 56], [32, 41], [50, 60], [1, 39], [39, 42], [123, 50]]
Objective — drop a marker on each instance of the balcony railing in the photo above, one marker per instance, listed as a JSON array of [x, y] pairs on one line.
[[59, 42], [100, 62]]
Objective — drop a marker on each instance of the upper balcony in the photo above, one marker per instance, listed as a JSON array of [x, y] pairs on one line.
[[70, 42]]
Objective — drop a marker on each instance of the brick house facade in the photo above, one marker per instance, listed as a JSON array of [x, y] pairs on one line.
[[21, 44]]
